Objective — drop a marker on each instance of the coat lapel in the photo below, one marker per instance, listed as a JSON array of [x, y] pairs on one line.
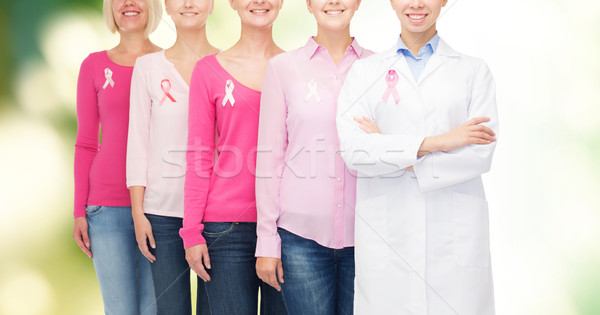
[[437, 59]]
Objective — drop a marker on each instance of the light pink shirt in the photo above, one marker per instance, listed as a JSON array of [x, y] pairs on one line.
[[302, 183], [157, 141]]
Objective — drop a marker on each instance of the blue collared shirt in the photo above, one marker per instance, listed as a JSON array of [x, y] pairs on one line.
[[417, 64]]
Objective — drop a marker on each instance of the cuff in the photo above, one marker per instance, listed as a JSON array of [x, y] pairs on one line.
[[268, 247], [79, 212], [192, 236]]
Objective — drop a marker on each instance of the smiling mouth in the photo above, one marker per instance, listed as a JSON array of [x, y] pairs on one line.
[[189, 14], [131, 13], [334, 12], [259, 11], [416, 16]]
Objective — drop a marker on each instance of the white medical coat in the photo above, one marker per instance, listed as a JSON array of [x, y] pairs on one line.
[[422, 237]]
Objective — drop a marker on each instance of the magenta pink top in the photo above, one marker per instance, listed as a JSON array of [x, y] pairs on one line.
[[102, 100], [302, 183], [223, 115]]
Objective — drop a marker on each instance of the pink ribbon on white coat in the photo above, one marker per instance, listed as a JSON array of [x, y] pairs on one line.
[[391, 78], [229, 86], [108, 76], [165, 85]]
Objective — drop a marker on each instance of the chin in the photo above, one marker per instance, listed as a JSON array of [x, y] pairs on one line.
[[190, 25], [132, 28], [263, 23]]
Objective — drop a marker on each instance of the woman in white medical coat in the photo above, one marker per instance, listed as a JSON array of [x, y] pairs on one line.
[[422, 236]]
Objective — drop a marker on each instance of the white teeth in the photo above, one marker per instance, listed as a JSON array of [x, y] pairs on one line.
[[259, 11], [416, 16], [336, 12], [131, 13], [188, 14]]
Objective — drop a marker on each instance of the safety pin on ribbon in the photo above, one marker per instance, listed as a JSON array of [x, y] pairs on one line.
[[229, 86], [391, 78], [165, 85], [108, 75], [312, 91]]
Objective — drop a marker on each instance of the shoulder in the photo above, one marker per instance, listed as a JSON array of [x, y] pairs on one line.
[[284, 59], [149, 59], [206, 65], [372, 58], [94, 59], [465, 60], [206, 72], [149, 63]]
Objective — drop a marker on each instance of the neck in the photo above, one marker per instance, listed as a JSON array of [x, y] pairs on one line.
[[135, 43], [414, 41], [256, 42], [191, 44], [335, 42]]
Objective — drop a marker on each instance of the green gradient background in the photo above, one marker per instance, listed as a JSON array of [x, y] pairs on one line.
[[543, 189]]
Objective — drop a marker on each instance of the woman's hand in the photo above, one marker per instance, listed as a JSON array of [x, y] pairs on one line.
[[80, 234], [197, 257], [367, 125], [468, 133], [143, 235], [269, 270]]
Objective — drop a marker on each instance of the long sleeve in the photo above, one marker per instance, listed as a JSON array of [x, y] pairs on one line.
[[272, 145], [199, 157], [443, 169], [138, 142], [369, 154], [86, 143]]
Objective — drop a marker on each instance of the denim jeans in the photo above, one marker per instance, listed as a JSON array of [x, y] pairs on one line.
[[170, 271], [123, 272], [234, 285], [317, 280]]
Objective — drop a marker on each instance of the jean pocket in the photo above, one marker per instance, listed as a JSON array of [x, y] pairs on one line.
[[93, 210], [471, 231], [217, 229]]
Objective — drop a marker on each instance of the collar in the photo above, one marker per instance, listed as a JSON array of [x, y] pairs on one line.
[[312, 47], [442, 49], [432, 43]]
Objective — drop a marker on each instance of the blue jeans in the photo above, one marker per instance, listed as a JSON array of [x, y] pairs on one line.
[[123, 272], [234, 285], [318, 280], [170, 271]]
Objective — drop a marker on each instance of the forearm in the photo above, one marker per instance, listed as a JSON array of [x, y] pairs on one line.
[[429, 145], [137, 200]]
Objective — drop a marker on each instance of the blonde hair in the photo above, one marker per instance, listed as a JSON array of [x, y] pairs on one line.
[[154, 16]]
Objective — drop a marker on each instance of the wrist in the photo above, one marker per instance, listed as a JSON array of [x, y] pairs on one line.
[[137, 212], [429, 145]]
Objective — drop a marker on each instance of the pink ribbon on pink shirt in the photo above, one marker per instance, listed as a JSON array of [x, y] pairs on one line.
[[391, 78], [165, 85]]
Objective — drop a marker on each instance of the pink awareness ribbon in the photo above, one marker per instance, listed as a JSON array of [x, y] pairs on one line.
[[391, 78], [108, 76], [229, 86], [165, 85]]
